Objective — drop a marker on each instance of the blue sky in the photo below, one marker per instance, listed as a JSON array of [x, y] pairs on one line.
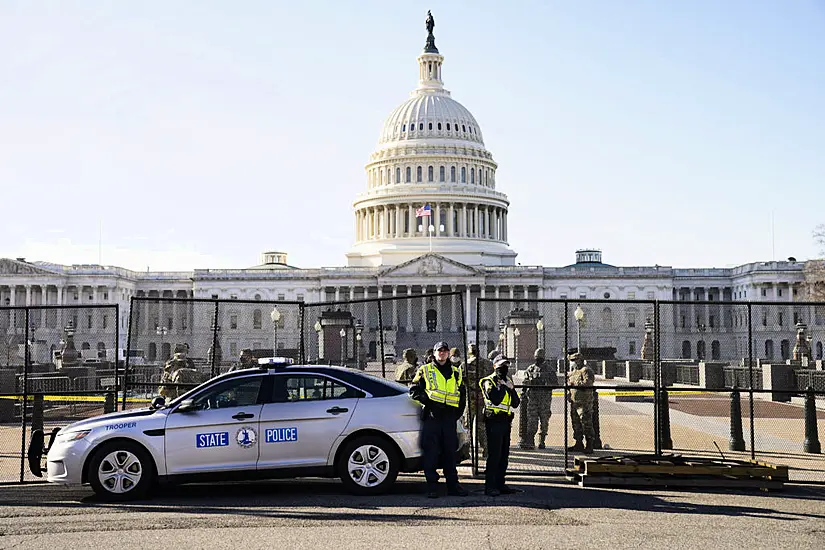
[[200, 133]]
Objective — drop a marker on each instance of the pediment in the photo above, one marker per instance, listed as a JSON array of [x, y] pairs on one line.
[[430, 265], [15, 267]]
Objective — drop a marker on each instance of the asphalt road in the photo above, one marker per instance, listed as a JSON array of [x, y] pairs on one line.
[[319, 514]]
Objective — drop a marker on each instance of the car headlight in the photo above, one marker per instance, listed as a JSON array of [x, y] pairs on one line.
[[74, 436]]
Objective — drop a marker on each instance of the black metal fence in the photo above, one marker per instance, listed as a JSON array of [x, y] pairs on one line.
[[57, 365], [672, 376]]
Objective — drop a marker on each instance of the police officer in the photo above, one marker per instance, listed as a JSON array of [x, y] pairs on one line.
[[500, 398], [540, 373], [440, 388], [581, 409], [405, 372]]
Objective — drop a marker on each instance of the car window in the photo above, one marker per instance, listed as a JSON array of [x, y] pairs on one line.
[[240, 392], [308, 387]]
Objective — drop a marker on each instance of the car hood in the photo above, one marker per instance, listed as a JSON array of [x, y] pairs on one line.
[[96, 421]]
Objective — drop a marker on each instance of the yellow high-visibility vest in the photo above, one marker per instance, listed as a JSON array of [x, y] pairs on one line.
[[501, 408], [439, 389]]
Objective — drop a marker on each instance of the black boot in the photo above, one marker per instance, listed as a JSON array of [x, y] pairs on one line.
[[579, 446]]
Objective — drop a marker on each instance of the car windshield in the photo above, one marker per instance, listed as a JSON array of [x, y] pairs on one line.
[[192, 391]]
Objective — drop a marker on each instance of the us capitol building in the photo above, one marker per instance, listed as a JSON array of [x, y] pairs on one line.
[[430, 152]]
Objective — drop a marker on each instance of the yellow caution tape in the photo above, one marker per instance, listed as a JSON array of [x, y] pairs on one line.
[[76, 398]]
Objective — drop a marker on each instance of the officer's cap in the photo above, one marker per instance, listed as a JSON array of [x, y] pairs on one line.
[[575, 356], [440, 346], [493, 354], [501, 362]]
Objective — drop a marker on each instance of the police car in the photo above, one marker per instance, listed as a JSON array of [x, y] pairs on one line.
[[277, 420]]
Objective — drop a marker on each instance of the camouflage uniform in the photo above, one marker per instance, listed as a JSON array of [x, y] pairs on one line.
[[405, 372], [540, 373], [179, 361], [246, 361], [581, 408], [475, 369]]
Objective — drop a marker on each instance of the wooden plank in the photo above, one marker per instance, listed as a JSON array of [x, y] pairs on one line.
[[605, 481], [673, 469]]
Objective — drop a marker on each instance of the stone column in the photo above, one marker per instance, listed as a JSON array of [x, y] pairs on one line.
[[395, 307], [352, 293], [409, 308], [482, 295], [498, 308], [468, 314], [476, 224], [411, 222], [59, 295], [337, 293], [437, 223], [453, 310], [463, 221], [28, 295], [398, 225], [450, 216]]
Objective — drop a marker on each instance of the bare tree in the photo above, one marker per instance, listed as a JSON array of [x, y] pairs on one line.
[[814, 270]]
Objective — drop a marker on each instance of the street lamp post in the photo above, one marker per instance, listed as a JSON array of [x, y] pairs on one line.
[[161, 331], [502, 339], [516, 334], [343, 334], [579, 315], [359, 327], [318, 328], [275, 315], [540, 329]]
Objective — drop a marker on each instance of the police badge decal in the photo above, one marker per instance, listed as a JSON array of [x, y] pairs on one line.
[[246, 437]]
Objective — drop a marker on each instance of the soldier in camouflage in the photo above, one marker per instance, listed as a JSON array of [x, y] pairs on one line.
[[540, 373], [246, 361], [581, 409], [405, 372], [170, 376], [475, 369]]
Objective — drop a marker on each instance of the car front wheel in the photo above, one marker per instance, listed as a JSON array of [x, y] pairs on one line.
[[121, 470], [368, 465]]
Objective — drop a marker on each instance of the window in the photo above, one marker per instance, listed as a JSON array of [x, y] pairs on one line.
[[651, 295], [304, 387], [403, 127], [214, 296], [463, 128], [233, 321], [700, 349], [448, 126], [631, 319], [463, 175], [439, 126], [631, 295], [105, 322], [88, 321], [430, 173], [300, 297], [233, 296], [631, 347], [563, 296], [472, 175], [452, 174], [607, 318], [715, 350], [257, 297], [281, 297], [711, 321], [398, 175], [764, 292], [409, 174], [441, 174], [795, 317], [430, 126], [106, 295], [779, 292], [781, 319], [785, 349], [764, 318], [183, 322], [582, 296], [768, 349], [256, 319], [233, 349], [682, 324], [685, 349], [418, 172], [239, 392]]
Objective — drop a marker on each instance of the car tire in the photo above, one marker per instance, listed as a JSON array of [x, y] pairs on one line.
[[368, 465], [121, 470]]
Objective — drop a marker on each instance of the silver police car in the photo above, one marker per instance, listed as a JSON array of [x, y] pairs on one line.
[[268, 422]]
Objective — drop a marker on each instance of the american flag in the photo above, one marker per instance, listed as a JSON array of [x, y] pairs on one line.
[[423, 211]]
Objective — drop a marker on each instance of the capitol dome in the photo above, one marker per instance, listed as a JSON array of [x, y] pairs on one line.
[[431, 183]]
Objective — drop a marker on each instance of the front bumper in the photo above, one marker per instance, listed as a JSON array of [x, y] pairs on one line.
[[64, 463]]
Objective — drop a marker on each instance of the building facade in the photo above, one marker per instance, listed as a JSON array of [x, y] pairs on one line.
[[431, 158]]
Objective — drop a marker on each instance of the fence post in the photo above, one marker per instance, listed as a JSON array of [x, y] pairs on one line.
[[132, 301], [737, 442], [302, 357], [750, 381], [380, 342], [597, 444], [657, 382], [215, 340], [811, 444], [665, 440], [25, 404], [117, 348]]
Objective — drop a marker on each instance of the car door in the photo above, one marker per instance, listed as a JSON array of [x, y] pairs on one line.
[[221, 432], [302, 419]]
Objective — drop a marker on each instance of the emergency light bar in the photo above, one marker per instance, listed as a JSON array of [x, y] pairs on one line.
[[276, 361]]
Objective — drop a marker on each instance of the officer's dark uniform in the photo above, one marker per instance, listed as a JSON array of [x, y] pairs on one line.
[[499, 402], [439, 387]]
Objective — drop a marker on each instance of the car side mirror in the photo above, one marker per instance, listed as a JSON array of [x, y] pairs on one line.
[[158, 403], [187, 405]]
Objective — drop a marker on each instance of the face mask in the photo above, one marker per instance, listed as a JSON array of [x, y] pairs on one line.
[[455, 360], [502, 372]]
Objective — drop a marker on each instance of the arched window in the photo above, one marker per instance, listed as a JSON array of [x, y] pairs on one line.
[[439, 126], [441, 174], [463, 128], [85, 346], [409, 174], [785, 348], [403, 127], [700, 349], [452, 174], [256, 319], [153, 351], [768, 349], [715, 350], [430, 126], [421, 126], [819, 350], [398, 175], [257, 297], [418, 174], [463, 175], [430, 173], [166, 351], [448, 126], [685, 349], [472, 175]]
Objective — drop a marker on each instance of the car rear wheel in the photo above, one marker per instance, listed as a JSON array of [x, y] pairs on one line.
[[368, 465], [121, 470]]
